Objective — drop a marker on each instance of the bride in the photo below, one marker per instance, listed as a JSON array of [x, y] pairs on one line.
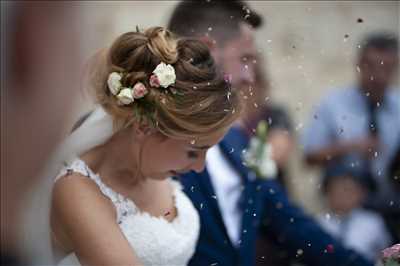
[[161, 105]]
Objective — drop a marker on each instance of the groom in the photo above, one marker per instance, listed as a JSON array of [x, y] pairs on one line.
[[235, 205]]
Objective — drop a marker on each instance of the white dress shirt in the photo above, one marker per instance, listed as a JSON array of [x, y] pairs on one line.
[[227, 185]]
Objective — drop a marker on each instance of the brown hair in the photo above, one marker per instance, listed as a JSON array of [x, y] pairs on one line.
[[199, 103], [218, 19]]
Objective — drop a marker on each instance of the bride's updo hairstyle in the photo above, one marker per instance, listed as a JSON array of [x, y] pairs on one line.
[[198, 103]]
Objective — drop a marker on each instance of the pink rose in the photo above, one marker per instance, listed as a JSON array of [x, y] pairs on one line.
[[391, 253], [154, 81], [139, 90]]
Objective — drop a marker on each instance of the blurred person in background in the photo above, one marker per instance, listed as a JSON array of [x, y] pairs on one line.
[[345, 189], [234, 204], [360, 125], [393, 217], [40, 59]]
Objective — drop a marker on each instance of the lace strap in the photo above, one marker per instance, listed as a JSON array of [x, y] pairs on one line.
[[123, 205]]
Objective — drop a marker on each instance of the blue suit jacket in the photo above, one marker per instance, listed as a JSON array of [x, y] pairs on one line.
[[266, 209]]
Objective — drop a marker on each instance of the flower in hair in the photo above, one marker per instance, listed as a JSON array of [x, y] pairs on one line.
[[154, 82], [114, 83], [139, 90], [165, 75], [125, 96]]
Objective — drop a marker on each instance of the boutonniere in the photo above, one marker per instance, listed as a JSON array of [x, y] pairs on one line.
[[258, 156]]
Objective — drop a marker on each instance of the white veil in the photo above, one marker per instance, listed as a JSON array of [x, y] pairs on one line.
[[96, 129]]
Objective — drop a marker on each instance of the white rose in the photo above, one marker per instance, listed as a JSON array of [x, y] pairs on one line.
[[165, 74], [125, 96], [268, 168], [114, 82]]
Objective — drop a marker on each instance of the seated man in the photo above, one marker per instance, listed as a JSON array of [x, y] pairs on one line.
[[361, 123]]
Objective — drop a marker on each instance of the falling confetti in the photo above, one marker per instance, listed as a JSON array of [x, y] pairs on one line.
[[330, 248], [167, 213], [214, 197], [299, 252], [346, 36], [360, 20], [299, 126], [327, 216]]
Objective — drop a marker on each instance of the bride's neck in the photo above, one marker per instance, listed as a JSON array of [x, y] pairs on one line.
[[117, 159]]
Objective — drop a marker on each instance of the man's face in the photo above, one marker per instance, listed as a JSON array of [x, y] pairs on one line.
[[377, 68], [237, 58]]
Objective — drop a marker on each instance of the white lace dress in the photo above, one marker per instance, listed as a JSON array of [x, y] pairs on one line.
[[154, 240]]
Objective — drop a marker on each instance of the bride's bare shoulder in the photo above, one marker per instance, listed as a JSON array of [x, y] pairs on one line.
[[77, 196], [85, 222]]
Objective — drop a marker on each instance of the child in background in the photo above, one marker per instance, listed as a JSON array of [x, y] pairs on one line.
[[345, 187]]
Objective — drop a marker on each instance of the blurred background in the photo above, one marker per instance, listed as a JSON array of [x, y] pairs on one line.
[[309, 48]]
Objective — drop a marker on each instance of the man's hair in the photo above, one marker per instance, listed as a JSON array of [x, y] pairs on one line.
[[217, 19], [383, 41]]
